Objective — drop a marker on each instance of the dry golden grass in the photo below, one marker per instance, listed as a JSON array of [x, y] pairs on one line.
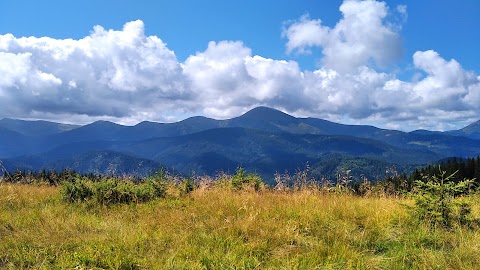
[[223, 229]]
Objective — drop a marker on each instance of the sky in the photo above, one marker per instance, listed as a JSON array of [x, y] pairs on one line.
[[397, 64]]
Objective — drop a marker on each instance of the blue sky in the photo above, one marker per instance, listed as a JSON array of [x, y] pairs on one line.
[[448, 28]]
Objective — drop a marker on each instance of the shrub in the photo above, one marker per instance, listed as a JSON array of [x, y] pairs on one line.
[[157, 184], [105, 192], [187, 185], [113, 190], [79, 189], [241, 179], [434, 200]]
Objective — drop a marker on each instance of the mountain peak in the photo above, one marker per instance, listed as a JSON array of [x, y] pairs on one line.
[[266, 113], [100, 126], [103, 123]]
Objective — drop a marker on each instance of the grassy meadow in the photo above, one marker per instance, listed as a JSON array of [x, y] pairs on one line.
[[224, 228]]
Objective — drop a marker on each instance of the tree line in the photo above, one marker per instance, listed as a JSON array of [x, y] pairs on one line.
[[393, 183]]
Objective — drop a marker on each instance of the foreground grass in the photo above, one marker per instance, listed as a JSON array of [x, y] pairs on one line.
[[222, 229]]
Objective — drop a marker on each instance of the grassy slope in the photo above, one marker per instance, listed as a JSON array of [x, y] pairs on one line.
[[220, 229]]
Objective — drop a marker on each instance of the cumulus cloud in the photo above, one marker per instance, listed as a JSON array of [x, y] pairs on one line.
[[362, 35], [108, 73], [305, 33], [126, 76], [230, 80]]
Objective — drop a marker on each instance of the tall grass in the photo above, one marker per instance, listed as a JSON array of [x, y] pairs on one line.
[[225, 228]]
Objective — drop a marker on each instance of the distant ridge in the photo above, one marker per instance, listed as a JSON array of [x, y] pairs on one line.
[[263, 140], [35, 128]]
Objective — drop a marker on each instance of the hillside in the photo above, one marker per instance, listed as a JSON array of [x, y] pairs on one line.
[[471, 131], [105, 163], [35, 128], [261, 151], [263, 140]]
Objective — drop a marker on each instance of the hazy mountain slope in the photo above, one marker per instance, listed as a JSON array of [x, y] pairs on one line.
[[359, 167], [106, 162], [267, 119], [96, 131], [95, 161], [35, 128], [471, 131], [264, 140], [263, 151], [148, 130], [41, 160], [13, 143]]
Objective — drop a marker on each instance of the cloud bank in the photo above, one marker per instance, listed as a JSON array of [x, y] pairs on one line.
[[126, 76]]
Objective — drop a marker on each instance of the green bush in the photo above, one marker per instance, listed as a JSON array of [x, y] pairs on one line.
[[435, 201], [155, 185], [187, 185], [241, 179], [79, 189], [112, 190]]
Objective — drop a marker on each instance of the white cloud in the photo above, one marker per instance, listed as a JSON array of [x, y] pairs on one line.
[[229, 80], [14, 69], [218, 74], [446, 83], [127, 77], [359, 37], [402, 10], [305, 33], [108, 73]]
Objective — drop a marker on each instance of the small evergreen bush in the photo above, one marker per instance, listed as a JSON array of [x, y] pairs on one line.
[[435, 201], [79, 189], [187, 185], [241, 179], [113, 190]]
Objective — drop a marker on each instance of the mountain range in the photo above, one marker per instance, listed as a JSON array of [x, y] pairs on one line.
[[263, 140]]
